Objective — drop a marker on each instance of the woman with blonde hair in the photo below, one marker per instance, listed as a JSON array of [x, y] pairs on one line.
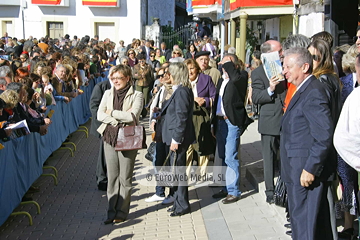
[[178, 130], [117, 107]]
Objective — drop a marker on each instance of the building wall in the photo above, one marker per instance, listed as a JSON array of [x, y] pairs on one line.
[[77, 19], [165, 10], [311, 24]]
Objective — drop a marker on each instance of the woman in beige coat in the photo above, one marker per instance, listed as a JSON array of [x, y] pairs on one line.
[[116, 107]]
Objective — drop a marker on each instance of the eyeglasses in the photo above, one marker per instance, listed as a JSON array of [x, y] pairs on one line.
[[356, 38], [117, 78], [142, 61], [131, 53], [177, 53], [316, 58], [152, 55]]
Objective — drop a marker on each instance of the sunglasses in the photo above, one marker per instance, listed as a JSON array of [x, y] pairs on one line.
[[142, 61], [177, 53], [131, 53], [161, 75], [316, 58], [356, 38], [152, 55]]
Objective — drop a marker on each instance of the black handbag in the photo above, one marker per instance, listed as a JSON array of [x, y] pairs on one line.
[[151, 151], [280, 193], [166, 176], [131, 137]]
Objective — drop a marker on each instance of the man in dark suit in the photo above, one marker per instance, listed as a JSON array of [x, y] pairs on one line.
[[147, 49], [230, 120], [95, 99], [164, 51], [269, 95], [306, 149]]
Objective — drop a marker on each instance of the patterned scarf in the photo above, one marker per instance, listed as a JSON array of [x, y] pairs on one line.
[[111, 132]]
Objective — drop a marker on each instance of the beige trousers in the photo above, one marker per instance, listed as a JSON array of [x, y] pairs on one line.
[[202, 162]]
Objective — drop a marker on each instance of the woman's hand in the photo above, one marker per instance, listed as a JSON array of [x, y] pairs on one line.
[[8, 131], [47, 121], [200, 101], [152, 126], [108, 111], [174, 147]]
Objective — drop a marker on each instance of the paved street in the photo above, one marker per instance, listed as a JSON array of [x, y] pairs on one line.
[[75, 209]]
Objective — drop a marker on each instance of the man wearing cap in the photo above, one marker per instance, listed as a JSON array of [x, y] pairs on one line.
[[202, 58]]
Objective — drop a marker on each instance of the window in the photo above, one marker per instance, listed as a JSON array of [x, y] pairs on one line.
[[55, 29]]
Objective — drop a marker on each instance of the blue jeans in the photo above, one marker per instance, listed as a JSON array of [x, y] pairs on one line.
[[228, 140]]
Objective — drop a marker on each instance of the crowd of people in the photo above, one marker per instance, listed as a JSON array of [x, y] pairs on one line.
[[196, 102]]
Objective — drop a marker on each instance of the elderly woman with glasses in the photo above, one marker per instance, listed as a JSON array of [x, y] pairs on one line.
[[132, 60], [116, 108], [144, 77]]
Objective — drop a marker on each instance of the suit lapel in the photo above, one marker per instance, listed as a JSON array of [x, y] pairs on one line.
[[298, 93]]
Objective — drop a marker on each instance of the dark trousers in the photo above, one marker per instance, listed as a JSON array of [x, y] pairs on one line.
[[181, 193], [101, 176], [160, 157], [309, 211], [270, 146]]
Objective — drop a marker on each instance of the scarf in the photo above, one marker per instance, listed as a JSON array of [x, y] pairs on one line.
[[111, 132]]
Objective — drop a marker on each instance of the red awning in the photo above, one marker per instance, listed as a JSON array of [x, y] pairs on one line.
[[203, 2]]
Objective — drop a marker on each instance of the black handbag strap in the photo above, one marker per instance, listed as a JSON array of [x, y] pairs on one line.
[[168, 157]]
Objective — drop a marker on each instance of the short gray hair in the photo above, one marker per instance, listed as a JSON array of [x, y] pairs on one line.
[[5, 71], [180, 74], [3, 81], [297, 40], [303, 56], [60, 66], [265, 47]]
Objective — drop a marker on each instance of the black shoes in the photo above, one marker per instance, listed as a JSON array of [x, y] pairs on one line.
[[221, 194], [109, 220], [270, 199], [102, 186], [289, 232], [230, 199], [287, 225], [346, 234], [176, 214]]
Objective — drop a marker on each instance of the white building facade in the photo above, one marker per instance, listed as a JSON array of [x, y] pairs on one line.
[[114, 19]]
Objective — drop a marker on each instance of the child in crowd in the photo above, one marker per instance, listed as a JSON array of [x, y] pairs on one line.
[[48, 89]]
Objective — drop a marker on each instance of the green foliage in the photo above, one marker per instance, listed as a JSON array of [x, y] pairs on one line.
[[251, 39]]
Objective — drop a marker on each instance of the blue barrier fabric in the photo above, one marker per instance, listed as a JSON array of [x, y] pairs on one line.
[[22, 159]]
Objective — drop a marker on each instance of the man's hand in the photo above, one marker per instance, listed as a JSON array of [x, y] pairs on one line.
[[174, 147], [273, 82], [306, 178], [43, 130], [67, 99], [225, 59], [201, 101], [8, 131]]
